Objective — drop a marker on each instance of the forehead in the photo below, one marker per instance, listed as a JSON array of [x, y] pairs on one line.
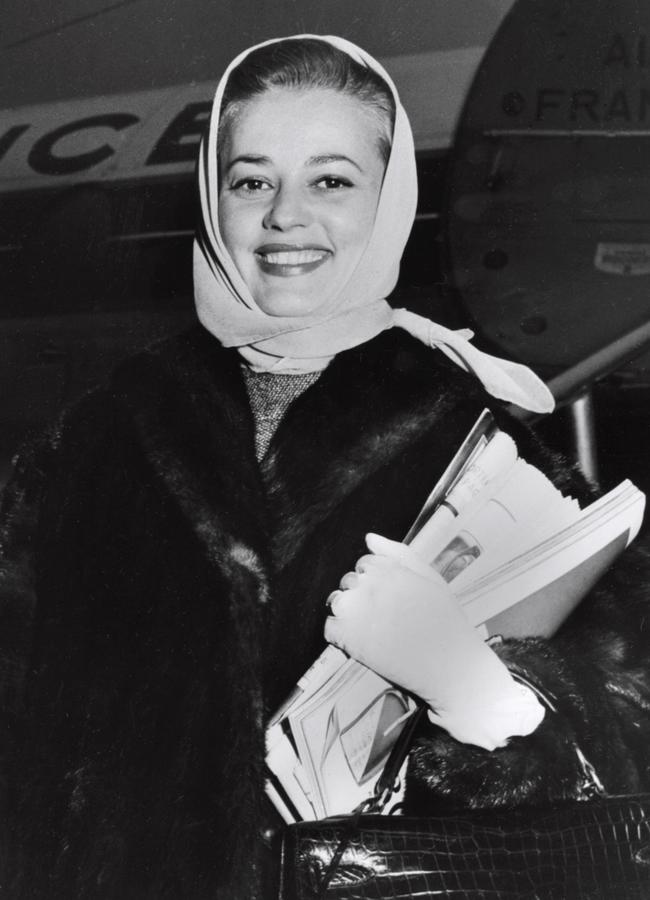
[[286, 122]]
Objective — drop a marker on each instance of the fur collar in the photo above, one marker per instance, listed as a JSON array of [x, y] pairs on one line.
[[369, 405]]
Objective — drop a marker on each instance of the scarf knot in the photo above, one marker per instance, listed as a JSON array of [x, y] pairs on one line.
[[508, 381]]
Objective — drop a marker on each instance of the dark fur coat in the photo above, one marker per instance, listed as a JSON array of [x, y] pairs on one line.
[[161, 593]]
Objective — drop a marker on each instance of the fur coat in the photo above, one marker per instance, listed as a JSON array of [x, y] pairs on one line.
[[161, 593]]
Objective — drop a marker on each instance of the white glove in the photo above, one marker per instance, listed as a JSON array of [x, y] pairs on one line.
[[397, 616]]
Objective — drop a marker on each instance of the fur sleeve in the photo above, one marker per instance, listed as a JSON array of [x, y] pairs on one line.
[[19, 516], [596, 672]]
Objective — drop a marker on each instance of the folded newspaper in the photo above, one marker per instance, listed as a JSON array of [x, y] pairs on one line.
[[519, 556]]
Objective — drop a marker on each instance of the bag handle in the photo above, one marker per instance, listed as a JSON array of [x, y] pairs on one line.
[[387, 783], [385, 787], [591, 785]]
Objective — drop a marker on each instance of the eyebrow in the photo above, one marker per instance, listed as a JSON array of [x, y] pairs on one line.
[[258, 159], [248, 158], [332, 157]]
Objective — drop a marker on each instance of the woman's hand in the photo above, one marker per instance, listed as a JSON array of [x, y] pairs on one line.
[[397, 616]]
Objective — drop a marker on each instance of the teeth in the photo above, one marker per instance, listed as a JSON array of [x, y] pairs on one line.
[[293, 257]]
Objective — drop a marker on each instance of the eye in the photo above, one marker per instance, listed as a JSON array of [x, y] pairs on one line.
[[333, 182], [251, 186]]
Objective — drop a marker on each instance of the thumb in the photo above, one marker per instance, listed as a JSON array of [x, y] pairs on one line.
[[401, 553]]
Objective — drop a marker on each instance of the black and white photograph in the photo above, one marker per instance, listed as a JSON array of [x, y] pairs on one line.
[[324, 429]]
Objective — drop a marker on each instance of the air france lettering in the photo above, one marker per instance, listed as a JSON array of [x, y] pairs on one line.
[[626, 102], [628, 52], [587, 106]]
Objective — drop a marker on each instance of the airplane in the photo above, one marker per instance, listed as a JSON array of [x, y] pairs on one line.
[[530, 131]]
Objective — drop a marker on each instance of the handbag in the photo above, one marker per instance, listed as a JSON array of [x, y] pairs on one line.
[[597, 848], [593, 849]]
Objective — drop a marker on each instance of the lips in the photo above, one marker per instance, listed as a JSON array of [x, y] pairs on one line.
[[286, 260]]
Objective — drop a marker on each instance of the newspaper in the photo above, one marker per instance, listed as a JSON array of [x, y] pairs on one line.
[[517, 554]]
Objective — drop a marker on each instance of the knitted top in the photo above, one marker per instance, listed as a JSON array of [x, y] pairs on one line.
[[270, 395]]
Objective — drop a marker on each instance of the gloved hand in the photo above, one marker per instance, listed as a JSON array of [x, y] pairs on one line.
[[397, 616]]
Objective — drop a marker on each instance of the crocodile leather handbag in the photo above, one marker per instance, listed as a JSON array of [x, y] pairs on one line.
[[597, 849]]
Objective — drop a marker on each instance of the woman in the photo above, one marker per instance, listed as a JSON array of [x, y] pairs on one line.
[[168, 549]]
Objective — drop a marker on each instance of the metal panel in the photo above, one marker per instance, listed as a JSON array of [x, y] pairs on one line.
[[548, 209]]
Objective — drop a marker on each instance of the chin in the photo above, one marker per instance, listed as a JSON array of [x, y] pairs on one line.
[[288, 305]]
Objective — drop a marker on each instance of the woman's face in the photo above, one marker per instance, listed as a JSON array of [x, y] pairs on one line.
[[300, 176]]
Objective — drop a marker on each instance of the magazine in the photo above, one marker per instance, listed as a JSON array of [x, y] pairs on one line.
[[518, 555]]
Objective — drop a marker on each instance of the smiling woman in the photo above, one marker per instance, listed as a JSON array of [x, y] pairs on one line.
[[167, 550], [302, 130]]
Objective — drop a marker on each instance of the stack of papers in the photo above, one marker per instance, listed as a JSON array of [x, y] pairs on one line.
[[518, 555]]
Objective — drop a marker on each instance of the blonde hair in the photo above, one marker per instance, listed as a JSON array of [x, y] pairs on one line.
[[299, 63]]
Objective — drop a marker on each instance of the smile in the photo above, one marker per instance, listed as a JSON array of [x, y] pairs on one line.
[[287, 261]]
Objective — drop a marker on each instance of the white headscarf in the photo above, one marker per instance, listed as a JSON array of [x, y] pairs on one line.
[[359, 311]]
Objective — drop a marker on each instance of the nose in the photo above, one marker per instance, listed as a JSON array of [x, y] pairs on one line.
[[288, 209]]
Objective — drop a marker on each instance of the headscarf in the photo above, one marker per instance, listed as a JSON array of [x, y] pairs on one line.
[[359, 311]]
